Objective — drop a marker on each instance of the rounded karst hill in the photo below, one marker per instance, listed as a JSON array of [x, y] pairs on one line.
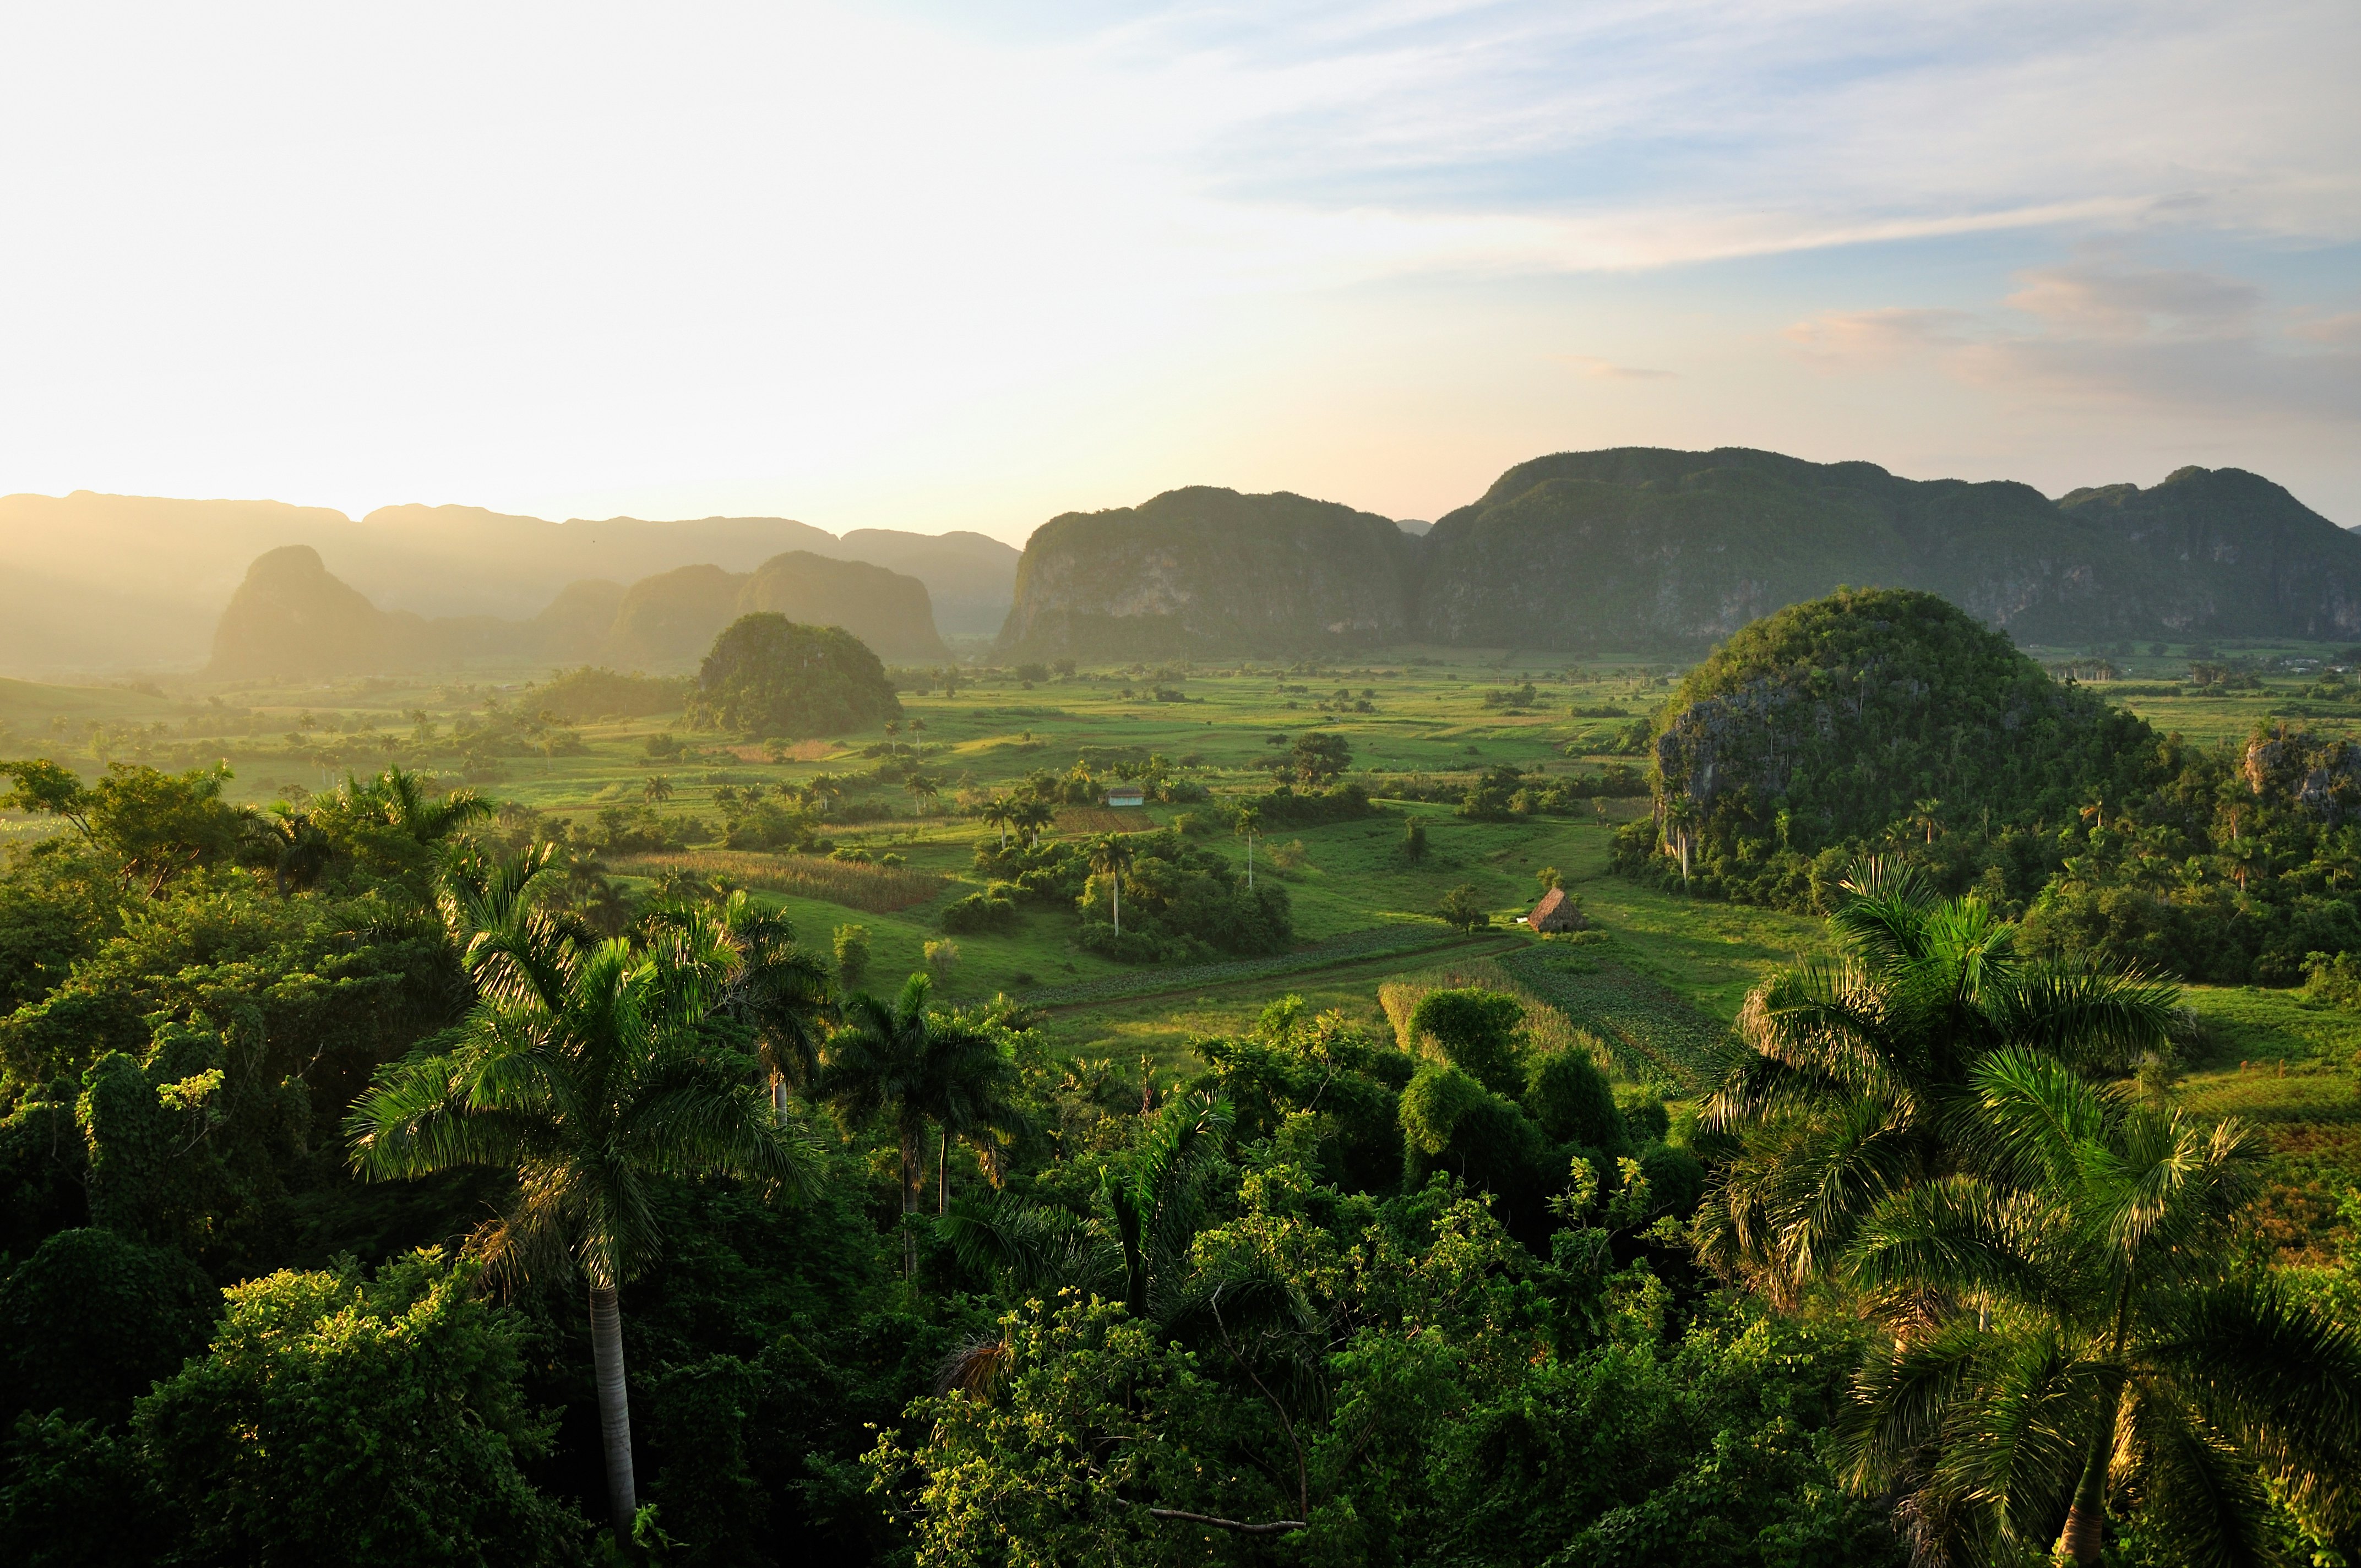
[[769, 676], [1847, 719]]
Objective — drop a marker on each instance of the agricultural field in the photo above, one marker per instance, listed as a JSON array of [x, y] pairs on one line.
[[1658, 983]]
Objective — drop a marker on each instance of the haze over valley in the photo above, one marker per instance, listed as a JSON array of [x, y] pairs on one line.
[[1479, 784]]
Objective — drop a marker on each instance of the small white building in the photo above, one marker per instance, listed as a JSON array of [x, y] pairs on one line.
[[1126, 794]]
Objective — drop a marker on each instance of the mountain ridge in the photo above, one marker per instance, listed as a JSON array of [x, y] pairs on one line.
[[1654, 549], [94, 582]]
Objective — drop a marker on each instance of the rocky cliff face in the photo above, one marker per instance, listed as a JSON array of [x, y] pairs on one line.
[[1204, 570], [1641, 548]]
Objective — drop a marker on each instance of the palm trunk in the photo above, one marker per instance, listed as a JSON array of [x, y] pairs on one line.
[[778, 1100], [1116, 888], [914, 1172], [614, 1408], [2086, 1522], [943, 1172]]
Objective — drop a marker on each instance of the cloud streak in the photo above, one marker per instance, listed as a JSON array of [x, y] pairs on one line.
[[2107, 328]]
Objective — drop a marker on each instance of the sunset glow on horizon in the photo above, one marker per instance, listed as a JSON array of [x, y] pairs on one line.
[[895, 267]]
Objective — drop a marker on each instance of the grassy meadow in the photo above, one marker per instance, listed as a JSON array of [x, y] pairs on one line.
[[1658, 985]]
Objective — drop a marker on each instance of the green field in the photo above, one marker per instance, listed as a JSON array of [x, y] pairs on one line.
[[1659, 989]]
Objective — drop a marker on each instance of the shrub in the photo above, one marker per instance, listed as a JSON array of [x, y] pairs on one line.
[[91, 1320], [334, 1420], [1462, 909], [1572, 1101], [852, 945], [1475, 1031], [580, 695], [993, 910]]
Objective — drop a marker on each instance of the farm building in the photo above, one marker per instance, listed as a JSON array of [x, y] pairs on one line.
[[1126, 794], [1556, 911]]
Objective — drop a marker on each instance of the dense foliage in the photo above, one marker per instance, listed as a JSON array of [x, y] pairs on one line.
[[372, 1187], [1891, 723], [767, 675]]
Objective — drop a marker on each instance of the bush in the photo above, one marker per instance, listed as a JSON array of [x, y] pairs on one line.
[[1475, 1031], [585, 694], [993, 910], [91, 1320], [1572, 1101], [1283, 807], [338, 1422]]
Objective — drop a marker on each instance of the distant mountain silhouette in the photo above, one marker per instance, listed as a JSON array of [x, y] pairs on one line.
[[93, 582], [1646, 549], [292, 618]]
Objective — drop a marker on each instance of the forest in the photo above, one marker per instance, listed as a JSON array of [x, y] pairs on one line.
[[411, 1170]]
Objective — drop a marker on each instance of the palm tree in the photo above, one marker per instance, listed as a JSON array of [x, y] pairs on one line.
[[589, 1069], [2073, 1328], [1248, 822], [826, 788], [1680, 830], [775, 990], [998, 813], [894, 1059], [1153, 1203], [1922, 815], [1846, 1075], [1031, 816], [1111, 856], [291, 844], [922, 789], [398, 799], [972, 1098], [658, 788]]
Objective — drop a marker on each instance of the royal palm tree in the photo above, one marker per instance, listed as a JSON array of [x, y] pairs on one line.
[[2073, 1331], [826, 789], [998, 812], [398, 799], [895, 1061], [971, 1097], [290, 845], [1111, 856], [590, 1070], [1846, 1074], [1153, 1201], [1030, 816], [922, 789], [1247, 823], [656, 790], [766, 984]]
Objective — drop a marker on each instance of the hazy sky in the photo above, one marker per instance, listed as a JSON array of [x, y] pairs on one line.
[[961, 264]]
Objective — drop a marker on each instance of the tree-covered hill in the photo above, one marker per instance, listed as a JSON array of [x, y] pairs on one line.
[[1202, 569], [1890, 722], [1834, 719], [1648, 548], [766, 675]]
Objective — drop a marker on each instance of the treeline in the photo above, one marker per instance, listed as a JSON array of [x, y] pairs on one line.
[[364, 1200]]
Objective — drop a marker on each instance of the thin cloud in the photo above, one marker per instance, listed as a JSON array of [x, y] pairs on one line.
[[1607, 370], [2107, 328]]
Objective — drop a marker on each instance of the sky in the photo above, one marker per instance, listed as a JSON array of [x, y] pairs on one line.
[[936, 264]]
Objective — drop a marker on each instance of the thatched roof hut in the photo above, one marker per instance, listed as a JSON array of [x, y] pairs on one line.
[[1556, 911]]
